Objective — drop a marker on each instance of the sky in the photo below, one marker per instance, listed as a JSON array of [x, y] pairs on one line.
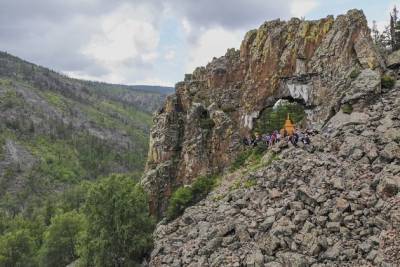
[[153, 42]]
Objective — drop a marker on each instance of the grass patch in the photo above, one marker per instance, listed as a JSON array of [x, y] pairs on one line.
[[248, 155], [55, 100], [387, 81], [6, 82], [11, 99], [186, 196], [347, 108], [249, 183]]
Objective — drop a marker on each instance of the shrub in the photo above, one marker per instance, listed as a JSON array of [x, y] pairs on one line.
[[241, 159], [202, 186], [347, 108], [354, 74], [260, 148], [179, 201], [387, 81], [186, 196]]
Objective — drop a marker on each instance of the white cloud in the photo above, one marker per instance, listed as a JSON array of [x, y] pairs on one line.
[[212, 43], [127, 37], [300, 8]]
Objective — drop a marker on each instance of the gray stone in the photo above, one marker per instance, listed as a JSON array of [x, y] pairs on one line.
[[367, 83], [333, 252], [267, 223], [393, 59], [256, 259], [301, 216], [389, 186], [391, 151], [333, 226]]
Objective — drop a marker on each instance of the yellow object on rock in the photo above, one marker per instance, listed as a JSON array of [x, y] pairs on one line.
[[289, 126]]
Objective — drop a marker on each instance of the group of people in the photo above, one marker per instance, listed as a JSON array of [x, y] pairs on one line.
[[276, 136]]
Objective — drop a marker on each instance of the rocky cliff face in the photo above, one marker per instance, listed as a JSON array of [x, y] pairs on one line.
[[334, 203], [198, 131]]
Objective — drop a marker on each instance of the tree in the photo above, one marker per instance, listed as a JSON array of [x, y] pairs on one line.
[[17, 249], [394, 29], [119, 225], [375, 32], [61, 238]]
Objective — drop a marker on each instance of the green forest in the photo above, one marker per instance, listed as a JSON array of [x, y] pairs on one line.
[[70, 160]]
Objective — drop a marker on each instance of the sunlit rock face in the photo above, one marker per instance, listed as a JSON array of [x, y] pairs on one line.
[[200, 128]]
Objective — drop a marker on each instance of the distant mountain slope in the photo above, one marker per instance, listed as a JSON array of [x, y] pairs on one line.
[[56, 131], [146, 98]]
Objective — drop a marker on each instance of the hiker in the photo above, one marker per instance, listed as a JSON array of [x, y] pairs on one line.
[[300, 135], [246, 141], [294, 138], [257, 140], [278, 137], [273, 139], [306, 140]]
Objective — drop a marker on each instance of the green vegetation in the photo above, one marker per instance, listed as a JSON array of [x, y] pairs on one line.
[[347, 108], [70, 191], [273, 119], [253, 154], [56, 100], [387, 81], [354, 73], [186, 196], [241, 159], [17, 248], [60, 239], [249, 183], [120, 229], [103, 223], [11, 99]]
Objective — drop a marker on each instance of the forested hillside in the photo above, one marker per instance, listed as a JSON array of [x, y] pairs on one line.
[[58, 136]]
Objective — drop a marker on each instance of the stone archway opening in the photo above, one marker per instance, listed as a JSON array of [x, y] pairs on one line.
[[272, 118]]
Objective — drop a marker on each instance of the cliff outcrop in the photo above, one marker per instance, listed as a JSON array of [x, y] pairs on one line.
[[200, 127], [332, 203]]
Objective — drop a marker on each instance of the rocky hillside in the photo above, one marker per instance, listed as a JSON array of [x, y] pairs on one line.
[[332, 203], [56, 131], [335, 203], [200, 127]]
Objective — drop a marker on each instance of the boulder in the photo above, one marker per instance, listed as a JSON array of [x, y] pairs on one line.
[[389, 186], [342, 119], [391, 151], [367, 83], [393, 60]]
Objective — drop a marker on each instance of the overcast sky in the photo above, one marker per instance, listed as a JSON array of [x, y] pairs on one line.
[[147, 41]]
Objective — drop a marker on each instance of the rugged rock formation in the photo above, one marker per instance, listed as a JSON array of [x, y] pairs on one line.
[[200, 127], [334, 203]]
